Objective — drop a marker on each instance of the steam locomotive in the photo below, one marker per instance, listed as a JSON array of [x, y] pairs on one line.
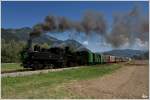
[[40, 58]]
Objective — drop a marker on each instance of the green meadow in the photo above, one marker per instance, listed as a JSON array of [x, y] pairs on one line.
[[10, 67], [52, 84]]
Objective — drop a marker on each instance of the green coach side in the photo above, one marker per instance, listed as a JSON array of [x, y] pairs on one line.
[[102, 59], [94, 58], [90, 58], [99, 58]]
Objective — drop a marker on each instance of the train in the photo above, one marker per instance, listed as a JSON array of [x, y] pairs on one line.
[[56, 57]]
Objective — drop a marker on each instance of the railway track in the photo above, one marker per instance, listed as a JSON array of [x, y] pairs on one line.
[[11, 71], [26, 72]]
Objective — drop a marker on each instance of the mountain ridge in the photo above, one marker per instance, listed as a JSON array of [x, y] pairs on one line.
[[125, 52]]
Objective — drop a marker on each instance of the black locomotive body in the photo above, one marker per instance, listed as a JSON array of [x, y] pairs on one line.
[[55, 57], [41, 58]]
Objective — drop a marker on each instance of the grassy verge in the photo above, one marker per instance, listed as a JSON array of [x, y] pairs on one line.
[[50, 85], [10, 67]]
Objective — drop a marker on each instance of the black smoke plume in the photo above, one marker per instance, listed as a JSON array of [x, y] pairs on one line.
[[92, 22], [127, 27]]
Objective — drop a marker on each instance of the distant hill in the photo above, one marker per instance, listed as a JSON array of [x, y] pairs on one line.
[[15, 34], [22, 34], [126, 53]]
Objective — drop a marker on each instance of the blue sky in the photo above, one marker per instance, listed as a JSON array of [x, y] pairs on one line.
[[27, 13]]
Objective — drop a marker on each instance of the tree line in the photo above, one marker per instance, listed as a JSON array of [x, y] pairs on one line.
[[10, 50], [143, 56]]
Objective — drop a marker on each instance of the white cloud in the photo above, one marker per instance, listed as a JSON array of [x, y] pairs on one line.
[[142, 45], [85, 43], [139, 45]]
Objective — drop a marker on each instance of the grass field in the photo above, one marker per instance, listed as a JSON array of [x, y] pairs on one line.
[[10, 67], [51, 85]]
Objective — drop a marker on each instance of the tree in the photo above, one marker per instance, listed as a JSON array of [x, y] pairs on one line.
[[10, 50], [45, 45]]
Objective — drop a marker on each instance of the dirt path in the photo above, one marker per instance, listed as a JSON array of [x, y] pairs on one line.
[[130, 81]]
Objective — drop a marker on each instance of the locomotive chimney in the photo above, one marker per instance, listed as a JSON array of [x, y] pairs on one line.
[[29, 44]]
